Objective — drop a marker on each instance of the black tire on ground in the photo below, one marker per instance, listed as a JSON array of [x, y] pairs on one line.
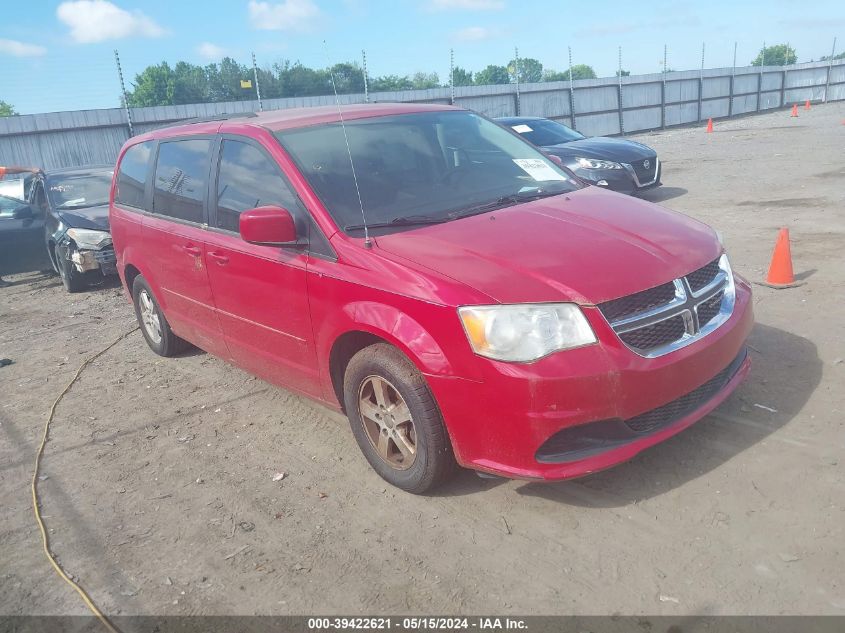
[[73, 280], [166, 343], [434, 461]]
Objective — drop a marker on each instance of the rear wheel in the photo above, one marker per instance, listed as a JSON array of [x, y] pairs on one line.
[[73, 280], [396, 421], [154, 326]]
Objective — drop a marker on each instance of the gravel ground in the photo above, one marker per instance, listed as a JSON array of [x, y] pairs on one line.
[[159, 494]]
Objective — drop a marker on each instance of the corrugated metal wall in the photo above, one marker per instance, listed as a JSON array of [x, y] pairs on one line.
[[65, 139]]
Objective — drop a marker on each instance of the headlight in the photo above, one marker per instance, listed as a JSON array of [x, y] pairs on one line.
[[86, 238], [525, 332], [594, 163]]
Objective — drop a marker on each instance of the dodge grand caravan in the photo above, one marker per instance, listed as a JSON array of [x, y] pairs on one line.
[[463, 298]]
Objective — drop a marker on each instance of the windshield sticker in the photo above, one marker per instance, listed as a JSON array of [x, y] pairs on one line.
[[538, 169], [521, 129]]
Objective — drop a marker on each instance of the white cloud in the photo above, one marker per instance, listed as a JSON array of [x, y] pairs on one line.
[[21, 49], [473, 34], [99, 20], [211, 52], [290, 15], [470, 5]]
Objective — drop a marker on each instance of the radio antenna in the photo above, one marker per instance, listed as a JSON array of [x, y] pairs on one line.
[[367, 242]]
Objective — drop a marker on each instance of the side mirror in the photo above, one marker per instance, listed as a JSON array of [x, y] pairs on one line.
[[268, 226], [557, 160], [23, 213]]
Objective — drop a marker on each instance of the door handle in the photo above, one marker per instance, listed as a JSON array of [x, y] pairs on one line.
[[221, 259], [196, 251]]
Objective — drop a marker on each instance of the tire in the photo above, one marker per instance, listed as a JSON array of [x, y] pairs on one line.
[[73, 280], [387, 443], [153, 324]]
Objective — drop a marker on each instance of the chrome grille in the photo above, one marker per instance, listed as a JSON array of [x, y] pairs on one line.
[[703, 276], [638, 302], [654, 322]]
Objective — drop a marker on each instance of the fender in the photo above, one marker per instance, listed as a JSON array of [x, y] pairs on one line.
[[393, 325]]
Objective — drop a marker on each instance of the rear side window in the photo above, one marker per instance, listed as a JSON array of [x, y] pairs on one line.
[[181, 178], [132, 177], [247, 179]]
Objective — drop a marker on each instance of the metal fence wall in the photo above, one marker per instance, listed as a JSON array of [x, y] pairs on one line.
[[601, 107]]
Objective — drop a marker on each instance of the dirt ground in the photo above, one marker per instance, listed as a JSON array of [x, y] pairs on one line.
[[159, 494]]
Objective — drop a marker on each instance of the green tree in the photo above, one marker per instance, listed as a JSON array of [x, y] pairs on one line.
[[624, 73], [153, 86], [190, 84], [776, 55], [302, 81], [825, 58], [6, 109], [461, 77], [348, 77], [579, 71], [530, 70], [421, 81], [387, 83], [492, 75]]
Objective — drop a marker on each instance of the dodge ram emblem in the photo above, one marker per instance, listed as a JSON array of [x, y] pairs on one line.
[[646, 163]]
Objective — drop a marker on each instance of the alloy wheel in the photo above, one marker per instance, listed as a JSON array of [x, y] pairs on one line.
[[149, 316], [387, 421]]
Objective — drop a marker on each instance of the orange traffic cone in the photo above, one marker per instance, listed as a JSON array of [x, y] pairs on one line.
[[807, 104], [780, 271], [794, 110], [709, 125]]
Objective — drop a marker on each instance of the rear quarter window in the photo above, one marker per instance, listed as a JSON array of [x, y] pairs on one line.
[[181, 179], [132, 175]]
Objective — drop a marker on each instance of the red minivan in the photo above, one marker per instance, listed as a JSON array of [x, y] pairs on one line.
[[463, 298]]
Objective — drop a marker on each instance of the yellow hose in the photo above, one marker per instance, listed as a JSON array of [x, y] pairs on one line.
[[45, 541]]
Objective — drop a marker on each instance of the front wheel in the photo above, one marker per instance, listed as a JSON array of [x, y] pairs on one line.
[[73, 280], [396, 421]]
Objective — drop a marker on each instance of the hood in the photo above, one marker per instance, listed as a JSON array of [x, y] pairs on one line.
[[96, 218], [615, 149], [588, 246]]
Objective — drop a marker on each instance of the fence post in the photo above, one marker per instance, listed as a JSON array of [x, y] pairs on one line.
[[571, 93], [619, 96], [701, 82], [783, 78], [760, 79], [257, 87], [123, 93], [366, 80], [731, 89], [829, 69], [663, 93], [451, 76], [516, 74]]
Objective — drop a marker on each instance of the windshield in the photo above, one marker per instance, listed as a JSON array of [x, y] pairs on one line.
[[543, 132], [420, 167], [80, 190]]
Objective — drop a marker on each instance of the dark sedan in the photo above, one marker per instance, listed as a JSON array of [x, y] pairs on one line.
[[21, 231], [75, 203], [612, 163]]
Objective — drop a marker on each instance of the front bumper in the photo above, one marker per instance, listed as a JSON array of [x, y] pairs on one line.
[[103, 260], [560, 417]]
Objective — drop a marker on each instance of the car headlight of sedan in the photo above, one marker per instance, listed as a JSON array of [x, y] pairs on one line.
[[594, 163], [525, 332], [89, 239]]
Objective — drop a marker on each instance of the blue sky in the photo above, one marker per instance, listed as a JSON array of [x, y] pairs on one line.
[[58, 55]]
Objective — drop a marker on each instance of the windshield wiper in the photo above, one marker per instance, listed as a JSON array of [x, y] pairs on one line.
[[504, 201], [408, 220]]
